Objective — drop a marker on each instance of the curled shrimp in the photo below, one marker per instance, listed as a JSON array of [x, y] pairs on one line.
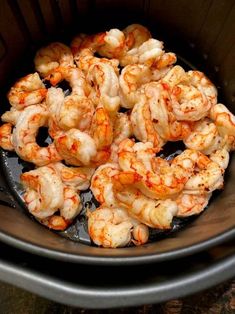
[[105, 87], [74, 110], [101, 183], [112, 227], [131, 79], [206, 178], [75, 147], [136, 35], [162, 66], [24, 137], [67, 212], [142, 123], [6, 136], [161, 182], [164, 121], [44, 191], [192, 93], [147, 53], [29, 90], [50, 58], [204, 137], [77, 177], [114, 44], [190, 204], [153, 213], [225, 122]]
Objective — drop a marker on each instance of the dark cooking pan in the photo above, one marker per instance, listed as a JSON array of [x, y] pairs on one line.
[[202, 35]]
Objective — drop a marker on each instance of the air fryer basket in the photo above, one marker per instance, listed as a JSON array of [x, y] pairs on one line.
[[202, 35]]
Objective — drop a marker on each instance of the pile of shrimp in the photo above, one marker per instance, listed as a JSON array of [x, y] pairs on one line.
[[128, 99]]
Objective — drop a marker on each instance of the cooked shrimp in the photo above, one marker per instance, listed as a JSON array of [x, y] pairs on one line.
[[206, 179], [192, 94], [200, 81], [74, 110], [122, 129], [224, 120], [11, 116], [153, 213], [27, 91], [112, 227], [163, 65], [85, 59], [24, 137], [75, 147], [159, 183], [221, 157], [49, 58], [131, 79], [142, 124], [105, 86], [101, 128], [72, 204], [101, 183], [6, 136], [147, 53], [204, 137], [136, 35], [174, 76], [44, 191], [189, 204], [162, 116], [114, 44], [77, 177]]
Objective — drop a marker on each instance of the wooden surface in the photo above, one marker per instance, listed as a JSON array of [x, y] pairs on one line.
[[218, 300]]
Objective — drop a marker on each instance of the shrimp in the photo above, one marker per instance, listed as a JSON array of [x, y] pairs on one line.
[[206, 179], [136, 35], [6, 136], [156, 182], [190, 204], [50, 58], [76, 177], [85, 59], [24, 137], [162, 116], [101, 128], [131, 79], [101, 183], [162, 66], [44, 191], [147, 53], [204, 137], [221, 157], [11, 116], [75, 147], [105, 87], [225, 122], [142, 124], [112, 227], [199, 80], [46, 194], [27, 91], [114, 44], [74, 110], [122, 129], [192, 94], [153, 213]]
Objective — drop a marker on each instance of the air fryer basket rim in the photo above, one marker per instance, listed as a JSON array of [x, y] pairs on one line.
[[110, 260]]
